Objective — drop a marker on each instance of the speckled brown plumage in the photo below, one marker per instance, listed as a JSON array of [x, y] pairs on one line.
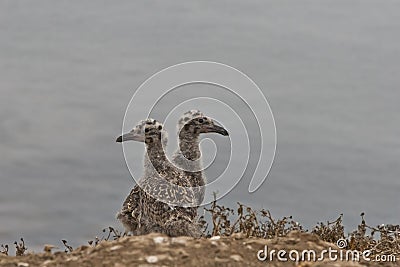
[[188, 156], [152, 206]]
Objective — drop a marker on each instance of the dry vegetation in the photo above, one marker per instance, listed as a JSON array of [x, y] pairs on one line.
[[383, 239], [230, 226]]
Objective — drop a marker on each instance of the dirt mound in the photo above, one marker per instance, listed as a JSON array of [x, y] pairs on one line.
[[158, 250]]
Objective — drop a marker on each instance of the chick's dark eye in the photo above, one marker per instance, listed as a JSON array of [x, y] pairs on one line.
[[160, 127], [146, 130], [201, 120]]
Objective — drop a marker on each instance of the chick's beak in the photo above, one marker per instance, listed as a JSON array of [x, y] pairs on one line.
[[215, 128], [130, 136]]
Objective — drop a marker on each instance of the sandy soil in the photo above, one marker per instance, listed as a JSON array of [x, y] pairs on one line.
[[158, 250]]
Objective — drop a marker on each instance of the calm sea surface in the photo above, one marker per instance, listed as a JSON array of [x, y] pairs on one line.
[[330, 70]]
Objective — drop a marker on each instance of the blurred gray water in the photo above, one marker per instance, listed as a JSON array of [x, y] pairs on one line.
[[68, 69]]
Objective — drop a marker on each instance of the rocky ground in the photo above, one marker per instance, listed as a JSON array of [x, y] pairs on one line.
[[158, 250]]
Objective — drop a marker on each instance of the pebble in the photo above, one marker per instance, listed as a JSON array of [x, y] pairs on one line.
[[217, 259], [116, 247], [117, 264], [73, 258], [217, 237], [158, 239], [48, 263], [23, 264], [177, 240], [151, 259], [236, 257]]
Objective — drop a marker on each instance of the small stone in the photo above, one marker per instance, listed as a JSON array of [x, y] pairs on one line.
[[73, 258], [217, 259], [236, 257], [151, 259], [158, 239], [116, 247], [178, 240], [48, 263], [197, 245], [23, 264], [217, 237]]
